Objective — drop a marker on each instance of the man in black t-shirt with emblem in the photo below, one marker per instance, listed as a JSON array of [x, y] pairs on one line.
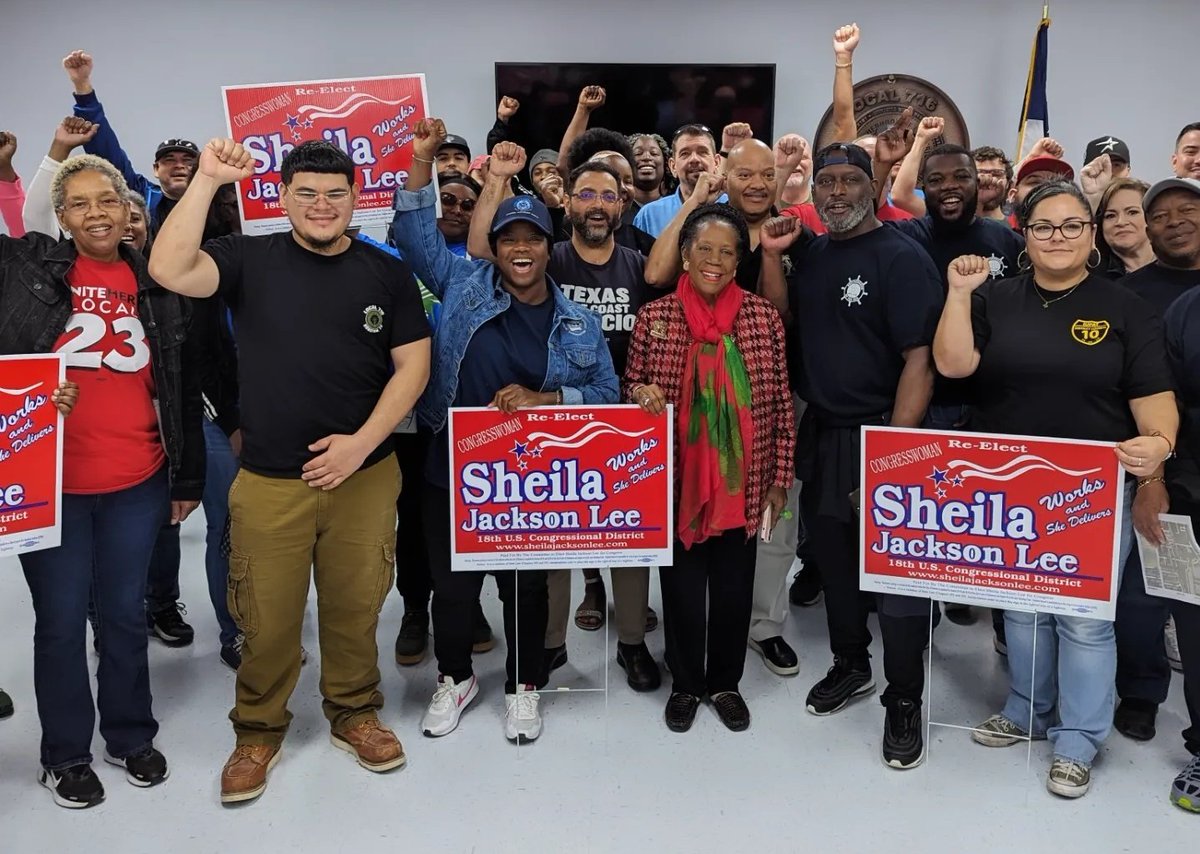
[[333, 352], [863, 303]]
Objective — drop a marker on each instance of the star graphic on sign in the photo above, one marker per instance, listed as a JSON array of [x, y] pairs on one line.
[[308, 123], [519, 449], [941, 493], [956, 481], [296, 135], [535, 453], [938, 476], [292, 121], [1108, 144], [523, 465]]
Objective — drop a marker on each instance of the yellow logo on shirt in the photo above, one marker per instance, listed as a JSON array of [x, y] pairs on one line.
[[1090, 332]]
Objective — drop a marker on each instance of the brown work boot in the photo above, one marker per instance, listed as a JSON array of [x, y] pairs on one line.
[[374, 745], [244, 776]]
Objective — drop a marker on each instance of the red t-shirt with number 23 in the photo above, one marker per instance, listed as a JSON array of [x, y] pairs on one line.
[[111, 439]]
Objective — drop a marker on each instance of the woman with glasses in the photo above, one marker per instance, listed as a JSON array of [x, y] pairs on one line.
[[133, 453], [458, 197], [1061, 352]]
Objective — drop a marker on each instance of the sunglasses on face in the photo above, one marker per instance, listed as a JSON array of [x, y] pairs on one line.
[[449, 200]]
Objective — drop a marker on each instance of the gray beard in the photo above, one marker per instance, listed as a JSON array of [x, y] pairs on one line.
[[847, 221]]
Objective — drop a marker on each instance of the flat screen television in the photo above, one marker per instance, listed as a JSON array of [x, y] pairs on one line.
[[642, 98]]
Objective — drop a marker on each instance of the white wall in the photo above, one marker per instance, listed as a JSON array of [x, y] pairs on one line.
[[1116, 66]]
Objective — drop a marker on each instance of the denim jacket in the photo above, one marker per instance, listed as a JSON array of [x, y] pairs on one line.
[[578, 362], [35, 304]]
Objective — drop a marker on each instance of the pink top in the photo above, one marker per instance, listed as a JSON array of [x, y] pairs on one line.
[[12, 199]]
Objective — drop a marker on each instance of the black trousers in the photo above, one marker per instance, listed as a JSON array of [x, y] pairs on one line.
[[455, 595], [413, 578], [1143, 672], [707, 596], [1187, 627]]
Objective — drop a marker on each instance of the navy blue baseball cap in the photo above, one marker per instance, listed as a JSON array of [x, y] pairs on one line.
[[523, 209], [842, 153]]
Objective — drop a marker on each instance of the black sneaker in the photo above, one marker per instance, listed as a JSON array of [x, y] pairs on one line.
[[6, 705], [903, 745], [844, 682], [681, 711], [169, 627], [731, 709], [778, 655], [806, 587], [481, 632], [75, 788], [413, 638], [555, 658], [145, 769], [231, 654], [1135, 719]]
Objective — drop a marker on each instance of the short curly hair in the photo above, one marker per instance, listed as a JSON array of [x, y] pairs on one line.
[[85, 163], [715, 213]]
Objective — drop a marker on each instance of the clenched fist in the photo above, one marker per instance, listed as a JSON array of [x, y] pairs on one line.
[[967, 272], [845, 40], [591, 98], [225, 161], [709, 188], [790, 152], [777, 234], [507, 160], [734, 133], [8, 149], [79, 68], [428, 136], [507, 108], [930, 128]]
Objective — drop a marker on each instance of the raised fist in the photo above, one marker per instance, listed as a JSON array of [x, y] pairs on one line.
[[930, 127], [428, 136], [507, 109], [709, 188], [225, 161], [967, 272], [1096, 176], [74, 131], [790, 151], [591, 98], [895, 142], [777, 234], [79, 68], [507, 160], [735, 133], [845, 40], [1046, 147], [553, 192], [8, 148]]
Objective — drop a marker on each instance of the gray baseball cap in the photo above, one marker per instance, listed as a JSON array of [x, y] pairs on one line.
[[1190, 184]]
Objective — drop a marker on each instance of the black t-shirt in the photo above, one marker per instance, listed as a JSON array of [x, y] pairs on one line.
[[1067, 370], [314, 337], [627, 234], [857, 305], [750, 267], [509, 349], [1160, 286], [614, 290], [987, 237]]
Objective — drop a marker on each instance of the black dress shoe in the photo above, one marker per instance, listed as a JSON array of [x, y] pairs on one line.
[[806, 587], [555, 658], [779, 657], [731, 709], [413, 638], [681, 711], [1135, 719], [641, 671]]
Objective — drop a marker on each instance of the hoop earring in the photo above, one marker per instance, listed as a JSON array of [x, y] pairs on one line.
[[1023, 260], [1092, 265]]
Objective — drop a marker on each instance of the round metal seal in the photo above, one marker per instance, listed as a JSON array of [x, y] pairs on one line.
[[878, 102]]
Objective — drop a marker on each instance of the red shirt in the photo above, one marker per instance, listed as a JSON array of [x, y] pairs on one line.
[[111, 439], [890, 213], [806, 212]]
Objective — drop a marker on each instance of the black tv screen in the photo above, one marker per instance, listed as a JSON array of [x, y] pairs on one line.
[[649, 98]]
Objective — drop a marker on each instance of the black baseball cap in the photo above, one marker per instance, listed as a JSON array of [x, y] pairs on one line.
[[1110, 145], [843, 153], [523, 209], [167, 146], [455, 141]]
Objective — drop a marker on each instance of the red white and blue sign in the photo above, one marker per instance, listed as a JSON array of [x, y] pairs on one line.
[[1014, 522], [560, 487], [30, 453]]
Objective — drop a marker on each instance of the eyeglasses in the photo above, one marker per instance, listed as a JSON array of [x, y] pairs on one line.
[[692, 130], [307, 198], [608, 196], [1070, 230], [449, 200], [108, 204]]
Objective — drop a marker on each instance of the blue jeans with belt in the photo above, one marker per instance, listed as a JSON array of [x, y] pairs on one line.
[[106, 544], [1067, 678]]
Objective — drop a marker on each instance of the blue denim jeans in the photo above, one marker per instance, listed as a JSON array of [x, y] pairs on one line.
[[1068, 680], [162, 578], [106, 544], [220, 470]]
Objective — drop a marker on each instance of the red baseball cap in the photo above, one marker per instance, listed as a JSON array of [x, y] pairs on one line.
[[1046, 164]]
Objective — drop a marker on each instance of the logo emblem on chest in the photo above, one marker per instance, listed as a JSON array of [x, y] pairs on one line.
[[1090, 332], [996, 266], [854, 290], [373, 318]]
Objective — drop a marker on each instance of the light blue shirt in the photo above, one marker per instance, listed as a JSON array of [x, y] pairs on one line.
[[654, 217]]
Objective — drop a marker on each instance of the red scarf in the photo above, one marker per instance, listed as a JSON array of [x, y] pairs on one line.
[[715, 430]]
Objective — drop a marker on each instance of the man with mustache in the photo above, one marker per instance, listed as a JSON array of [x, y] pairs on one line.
[[995, 172], [693, 153], [174, 159], [862, 303]]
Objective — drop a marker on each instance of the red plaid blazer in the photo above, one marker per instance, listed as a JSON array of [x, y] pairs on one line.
[[658, 355]]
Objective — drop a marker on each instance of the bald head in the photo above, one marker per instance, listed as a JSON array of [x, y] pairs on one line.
[[750, 179]]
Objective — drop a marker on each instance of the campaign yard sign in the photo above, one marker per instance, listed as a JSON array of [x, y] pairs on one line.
[[1015, 522], [560, 487], [370, 118], [30, 454]]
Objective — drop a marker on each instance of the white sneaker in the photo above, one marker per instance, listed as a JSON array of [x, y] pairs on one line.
[[446, 707], [522, 721], [1172, 642]]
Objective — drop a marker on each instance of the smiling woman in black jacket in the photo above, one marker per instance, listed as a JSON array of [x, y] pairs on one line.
[[133, 453]]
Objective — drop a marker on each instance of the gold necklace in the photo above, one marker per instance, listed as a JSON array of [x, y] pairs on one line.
[[1047, 303]]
